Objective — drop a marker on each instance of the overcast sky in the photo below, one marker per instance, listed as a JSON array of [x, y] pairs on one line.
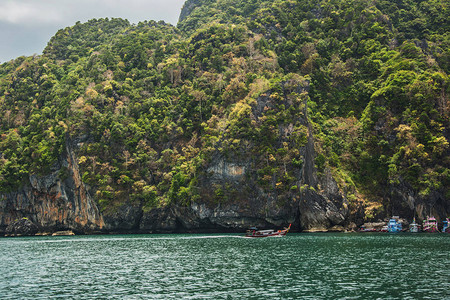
[[27, 25]]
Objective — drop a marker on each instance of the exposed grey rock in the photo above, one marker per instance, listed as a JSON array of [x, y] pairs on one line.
[[352, 226], [63, 233], [406, 202], [374, 225], [45, 233], [21, 227], [337, 228], [222, 168], [127, 217], [54, 203], [187, 9], [174, 219], [322, 208]]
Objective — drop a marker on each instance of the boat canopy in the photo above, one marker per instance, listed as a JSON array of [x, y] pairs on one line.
[[266, 231]]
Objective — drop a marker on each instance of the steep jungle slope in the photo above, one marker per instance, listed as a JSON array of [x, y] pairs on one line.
[[379, 88], [160, 133], [249, 112]]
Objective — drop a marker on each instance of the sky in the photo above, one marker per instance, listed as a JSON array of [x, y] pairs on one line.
[[27, 25]]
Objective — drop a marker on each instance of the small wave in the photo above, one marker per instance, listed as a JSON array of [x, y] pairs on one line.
[[212, 237], [125, 238]]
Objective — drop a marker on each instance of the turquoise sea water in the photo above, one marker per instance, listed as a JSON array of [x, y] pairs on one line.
[[298, 266]]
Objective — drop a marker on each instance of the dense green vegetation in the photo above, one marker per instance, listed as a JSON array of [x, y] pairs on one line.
[[149, 105]]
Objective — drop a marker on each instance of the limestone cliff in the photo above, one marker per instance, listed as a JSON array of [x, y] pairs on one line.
[[317, 204], [61, 201], [56, 201], [187, 9], [232, 199], [410, 204]]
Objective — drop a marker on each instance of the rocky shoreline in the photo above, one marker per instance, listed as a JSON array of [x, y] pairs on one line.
[[25, 227]]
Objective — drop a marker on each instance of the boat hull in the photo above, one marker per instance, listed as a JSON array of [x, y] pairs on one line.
[[394, 226], [430, 225], [267, 233], [276, 234]]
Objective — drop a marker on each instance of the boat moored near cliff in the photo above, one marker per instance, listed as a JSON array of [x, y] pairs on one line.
[[414, 227], [255, 233], [446, 227], [430, 225], [394, 225]]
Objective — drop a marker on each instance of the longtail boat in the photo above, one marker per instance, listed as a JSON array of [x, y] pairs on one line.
[[255, 233]]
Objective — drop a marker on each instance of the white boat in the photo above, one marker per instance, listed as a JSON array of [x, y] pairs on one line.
[[414, 227]]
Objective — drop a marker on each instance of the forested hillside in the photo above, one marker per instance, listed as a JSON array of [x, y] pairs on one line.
[[221, 109]]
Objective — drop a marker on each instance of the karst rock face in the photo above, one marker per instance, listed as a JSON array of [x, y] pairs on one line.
[[21, 227], [60, 200], [319, 115], [248, 204], [55, 201]]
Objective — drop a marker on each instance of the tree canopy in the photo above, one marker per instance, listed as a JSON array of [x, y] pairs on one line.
[[149, 105]]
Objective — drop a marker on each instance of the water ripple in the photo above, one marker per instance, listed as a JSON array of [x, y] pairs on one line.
[[299, 266]]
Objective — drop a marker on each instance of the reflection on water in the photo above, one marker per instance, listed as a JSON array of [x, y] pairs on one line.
[[298, 266]]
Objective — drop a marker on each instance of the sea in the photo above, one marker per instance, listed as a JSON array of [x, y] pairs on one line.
[[227, 266]]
